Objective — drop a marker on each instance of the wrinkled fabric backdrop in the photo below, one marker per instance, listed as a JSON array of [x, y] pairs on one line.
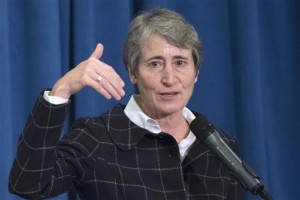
[[249, 84]]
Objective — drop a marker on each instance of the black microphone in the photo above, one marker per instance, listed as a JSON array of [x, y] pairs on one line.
[[209, 136]]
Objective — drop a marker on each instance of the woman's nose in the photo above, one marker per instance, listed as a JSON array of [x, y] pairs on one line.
[[168, 75]]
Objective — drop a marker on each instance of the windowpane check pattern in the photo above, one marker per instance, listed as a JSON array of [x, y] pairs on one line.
[[109, 157]]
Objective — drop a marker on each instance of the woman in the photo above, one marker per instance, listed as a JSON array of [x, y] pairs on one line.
[[144, 150]]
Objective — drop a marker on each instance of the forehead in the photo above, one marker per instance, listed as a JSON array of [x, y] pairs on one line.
[[157, 45]]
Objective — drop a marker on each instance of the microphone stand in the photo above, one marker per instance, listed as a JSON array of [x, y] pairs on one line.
[[264, 195]]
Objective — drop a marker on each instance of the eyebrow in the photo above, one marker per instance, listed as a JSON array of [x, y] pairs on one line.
[[181, 57], [162, 58]]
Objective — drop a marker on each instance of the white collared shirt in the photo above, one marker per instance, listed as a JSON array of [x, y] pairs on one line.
[[137, 116]]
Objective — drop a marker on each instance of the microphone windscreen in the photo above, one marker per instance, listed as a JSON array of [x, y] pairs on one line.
[[201, 127]]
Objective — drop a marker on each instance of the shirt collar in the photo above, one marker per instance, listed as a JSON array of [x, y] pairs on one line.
[[134, 112]]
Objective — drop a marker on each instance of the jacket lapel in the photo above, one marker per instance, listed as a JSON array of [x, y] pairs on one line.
[[197, 150]]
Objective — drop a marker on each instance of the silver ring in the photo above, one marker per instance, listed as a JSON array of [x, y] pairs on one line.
[[99, 78]]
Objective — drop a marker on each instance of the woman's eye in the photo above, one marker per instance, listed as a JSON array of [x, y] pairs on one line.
[[154, 64], [180, 63]]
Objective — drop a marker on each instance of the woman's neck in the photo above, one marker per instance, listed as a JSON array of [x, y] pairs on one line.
[[178, 127]]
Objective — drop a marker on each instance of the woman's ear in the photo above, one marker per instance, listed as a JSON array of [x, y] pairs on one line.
[[196, 78], [132, 76]]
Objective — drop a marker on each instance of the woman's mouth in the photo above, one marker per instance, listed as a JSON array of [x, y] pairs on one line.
[[168, 96], [169, 93]]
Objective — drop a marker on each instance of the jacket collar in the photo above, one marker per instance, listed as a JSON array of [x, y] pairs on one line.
[[124, 133]]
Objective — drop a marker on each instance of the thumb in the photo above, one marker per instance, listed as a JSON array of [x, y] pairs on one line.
[[98, 51]]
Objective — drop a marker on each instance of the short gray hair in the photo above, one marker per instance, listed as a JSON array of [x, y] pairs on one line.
[[166, 24]]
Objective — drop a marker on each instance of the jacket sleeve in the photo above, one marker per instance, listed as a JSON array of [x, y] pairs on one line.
[[36, 171]]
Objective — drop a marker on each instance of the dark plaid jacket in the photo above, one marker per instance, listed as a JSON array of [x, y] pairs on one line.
[[109, 157]]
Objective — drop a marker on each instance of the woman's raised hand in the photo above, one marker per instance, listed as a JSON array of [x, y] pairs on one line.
[[91, 72]]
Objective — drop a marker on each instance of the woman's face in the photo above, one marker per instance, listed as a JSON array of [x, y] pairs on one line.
[[165, 78]]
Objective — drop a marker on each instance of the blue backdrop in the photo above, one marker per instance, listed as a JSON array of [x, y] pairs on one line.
[[249, 84]]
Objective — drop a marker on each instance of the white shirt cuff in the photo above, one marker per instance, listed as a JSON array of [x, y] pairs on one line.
[[54, 100]]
